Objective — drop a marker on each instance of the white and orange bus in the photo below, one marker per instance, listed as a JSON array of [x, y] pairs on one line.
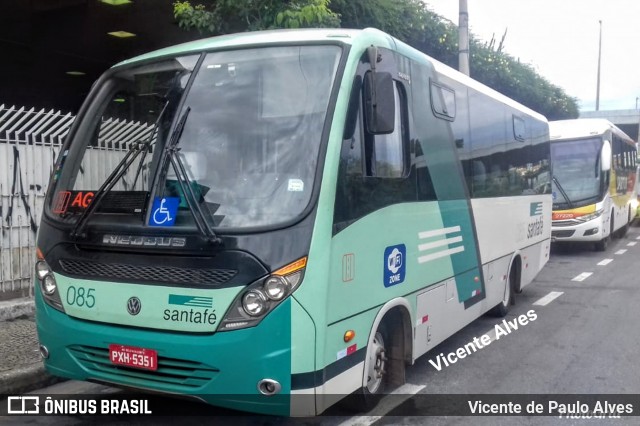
[[594, 167]]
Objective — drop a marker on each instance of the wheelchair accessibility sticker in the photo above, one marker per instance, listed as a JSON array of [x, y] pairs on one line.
[[164, 211]]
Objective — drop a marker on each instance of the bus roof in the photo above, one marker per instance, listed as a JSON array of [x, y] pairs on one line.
[[364, 37], [581, 127], [346, 36]]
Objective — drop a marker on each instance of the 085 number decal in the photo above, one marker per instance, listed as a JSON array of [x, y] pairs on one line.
[[81, 297]]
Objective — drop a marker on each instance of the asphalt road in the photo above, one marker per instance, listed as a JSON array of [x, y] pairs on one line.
[[583, 340]]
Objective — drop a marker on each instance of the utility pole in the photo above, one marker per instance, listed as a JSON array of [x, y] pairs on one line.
[[599, 59], [463, 38]]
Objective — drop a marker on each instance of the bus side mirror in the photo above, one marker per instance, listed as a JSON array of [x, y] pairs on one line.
[[605, 156], [379, 103]]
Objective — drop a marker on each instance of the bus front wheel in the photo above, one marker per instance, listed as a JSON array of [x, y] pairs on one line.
[[376, 373], [385, 360], [602, 244], [625, 229], [367, 397]]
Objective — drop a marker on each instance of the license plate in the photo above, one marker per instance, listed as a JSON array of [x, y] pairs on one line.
[[130, 356]]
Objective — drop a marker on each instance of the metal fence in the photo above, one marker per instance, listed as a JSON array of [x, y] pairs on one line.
[[30, 142]]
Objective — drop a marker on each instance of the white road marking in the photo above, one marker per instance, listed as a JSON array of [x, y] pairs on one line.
[[385, 405], [631, 244], [604, 262], [638, 237], [583, 276], [549, 298], [622, 251]]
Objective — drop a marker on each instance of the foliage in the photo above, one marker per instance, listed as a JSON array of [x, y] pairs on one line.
[[226, 16], [314, 14], [519, 81], [190, 17], [407, 20]]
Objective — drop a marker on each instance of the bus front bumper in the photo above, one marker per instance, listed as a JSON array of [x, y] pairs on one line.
[[222, 369], [591, 231]]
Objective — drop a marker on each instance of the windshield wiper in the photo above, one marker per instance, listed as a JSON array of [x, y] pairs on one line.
[[121, 168], [185, 183], [150, 141], [564, 194]]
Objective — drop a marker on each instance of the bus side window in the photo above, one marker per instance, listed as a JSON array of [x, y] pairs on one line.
[[374, 170]]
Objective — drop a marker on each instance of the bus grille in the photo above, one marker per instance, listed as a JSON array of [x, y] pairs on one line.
[[563, 234], [173, 375], [570, 222], [161, 274]]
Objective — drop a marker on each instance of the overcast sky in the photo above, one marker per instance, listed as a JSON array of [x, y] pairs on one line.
[[559, 38]]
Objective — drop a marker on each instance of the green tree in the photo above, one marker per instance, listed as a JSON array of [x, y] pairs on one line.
[[407, 20], [411, 22], [226, 16]]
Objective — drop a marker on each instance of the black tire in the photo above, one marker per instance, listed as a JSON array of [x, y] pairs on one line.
[[602, 244], [367, 397], [625, 229]]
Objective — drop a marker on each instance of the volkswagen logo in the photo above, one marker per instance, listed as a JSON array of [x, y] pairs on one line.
[[134, 305]]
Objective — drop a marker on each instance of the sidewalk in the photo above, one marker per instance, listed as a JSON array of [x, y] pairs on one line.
[[21, 368]]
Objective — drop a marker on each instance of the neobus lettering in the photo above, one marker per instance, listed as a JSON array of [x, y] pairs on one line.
[[134, 240]]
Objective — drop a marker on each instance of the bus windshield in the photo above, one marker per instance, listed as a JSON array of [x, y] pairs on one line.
[[576, 172], [250, 123]]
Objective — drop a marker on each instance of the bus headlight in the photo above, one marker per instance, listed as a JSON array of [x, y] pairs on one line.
[[49, 285], [591, 216], [276, 288], [254, 303], [261, 297], [42, 269]]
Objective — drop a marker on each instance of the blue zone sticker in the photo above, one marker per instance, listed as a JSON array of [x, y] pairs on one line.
[[164, 211], [394, 265]]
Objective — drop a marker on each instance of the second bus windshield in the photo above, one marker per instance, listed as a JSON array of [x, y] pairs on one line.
[[576, 171]]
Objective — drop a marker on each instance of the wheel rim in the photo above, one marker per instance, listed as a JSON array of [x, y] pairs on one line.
[[377, 363]]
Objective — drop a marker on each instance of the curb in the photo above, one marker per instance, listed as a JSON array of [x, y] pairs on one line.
[[25, 379], [15, 308]]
